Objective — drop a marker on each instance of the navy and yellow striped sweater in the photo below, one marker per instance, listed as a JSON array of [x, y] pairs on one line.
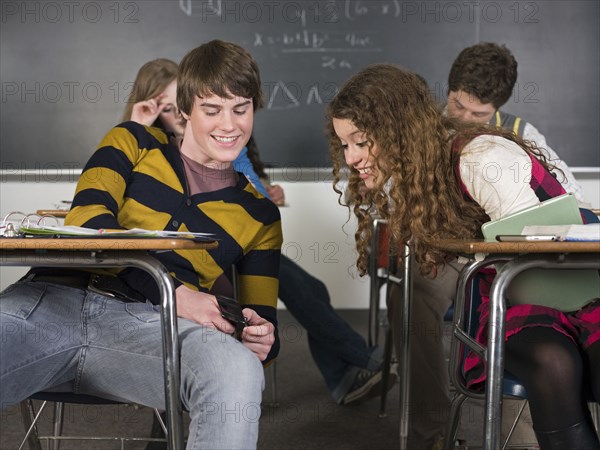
[[136, 179]]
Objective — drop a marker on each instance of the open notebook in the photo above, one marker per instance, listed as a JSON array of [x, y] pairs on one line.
[[563, 289]]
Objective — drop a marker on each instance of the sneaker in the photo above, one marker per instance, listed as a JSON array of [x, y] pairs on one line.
[[367, 384], [459, 444]]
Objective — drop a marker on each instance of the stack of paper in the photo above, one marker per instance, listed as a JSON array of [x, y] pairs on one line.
[[589, 232], [73, 231]]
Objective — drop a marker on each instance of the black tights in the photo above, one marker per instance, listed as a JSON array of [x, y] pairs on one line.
[[553, 371]]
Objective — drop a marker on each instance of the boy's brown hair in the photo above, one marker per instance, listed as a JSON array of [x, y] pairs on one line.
[[218, 68]]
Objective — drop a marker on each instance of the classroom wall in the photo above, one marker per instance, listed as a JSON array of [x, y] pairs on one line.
[[317, 233]]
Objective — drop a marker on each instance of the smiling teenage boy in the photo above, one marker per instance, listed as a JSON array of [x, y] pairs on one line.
[[139, 177]]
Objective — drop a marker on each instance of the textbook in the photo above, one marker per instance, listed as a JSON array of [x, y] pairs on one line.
[[562, 289], [588, 233], [561, 210]]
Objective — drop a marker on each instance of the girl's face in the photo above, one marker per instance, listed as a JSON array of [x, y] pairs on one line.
[[356, 149], [170, 116], [217, 129]]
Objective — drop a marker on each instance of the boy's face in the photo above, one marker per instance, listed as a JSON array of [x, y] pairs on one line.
[[218, 129], [468, 108]]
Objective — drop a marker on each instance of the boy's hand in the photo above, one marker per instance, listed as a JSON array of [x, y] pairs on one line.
[[201, 308], [258, 335]]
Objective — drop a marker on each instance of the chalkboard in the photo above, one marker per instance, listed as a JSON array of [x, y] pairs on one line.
[[67, 66]]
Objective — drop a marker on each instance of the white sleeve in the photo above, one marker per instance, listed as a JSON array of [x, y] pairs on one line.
[[566, 178], [496, 173]]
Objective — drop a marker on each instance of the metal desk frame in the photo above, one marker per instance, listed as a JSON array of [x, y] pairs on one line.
[[403, 353], [521, 257], [114, 253]]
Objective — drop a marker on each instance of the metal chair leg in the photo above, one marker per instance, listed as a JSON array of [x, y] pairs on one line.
[[31, 435], [273, 369], [385, 371], [271, 380], [454, 419], [514, 424], [58, 424], [595, 413], [159, 419]]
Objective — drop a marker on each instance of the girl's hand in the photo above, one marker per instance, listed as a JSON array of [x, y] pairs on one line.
[[258, 335], [276, 193], [146, 112], [201, 308]]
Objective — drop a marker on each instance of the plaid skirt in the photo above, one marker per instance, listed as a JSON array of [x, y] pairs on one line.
[[582, 327]]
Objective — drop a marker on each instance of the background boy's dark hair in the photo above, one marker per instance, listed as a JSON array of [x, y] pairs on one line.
[[486, 70], [220, 68]]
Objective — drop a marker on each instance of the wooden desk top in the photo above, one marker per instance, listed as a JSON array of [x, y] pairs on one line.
[[471, 246], [58, 213], [97, 244]]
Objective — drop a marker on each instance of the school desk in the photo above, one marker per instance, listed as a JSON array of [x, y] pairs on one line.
[[519, 257], [110, 252]]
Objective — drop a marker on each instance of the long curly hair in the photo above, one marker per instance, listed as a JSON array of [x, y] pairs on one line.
[[416, 189]]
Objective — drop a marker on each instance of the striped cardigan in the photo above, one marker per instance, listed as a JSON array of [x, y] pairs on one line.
[[136, 179]]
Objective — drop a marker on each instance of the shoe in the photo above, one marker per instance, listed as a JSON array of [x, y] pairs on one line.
[[367, 384], [439, 444], [459, 444], [580, 436]]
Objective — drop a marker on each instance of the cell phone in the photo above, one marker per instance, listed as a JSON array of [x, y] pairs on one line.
[[526, 238], [232, 311]]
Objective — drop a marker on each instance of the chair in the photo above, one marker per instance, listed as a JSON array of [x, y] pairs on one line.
[[378, 265], [589, 215], [465, 324], [382, 271], [379, 273], [31, 418]]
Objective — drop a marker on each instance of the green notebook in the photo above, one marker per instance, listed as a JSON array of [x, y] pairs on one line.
[[563, 289], [561, 210]]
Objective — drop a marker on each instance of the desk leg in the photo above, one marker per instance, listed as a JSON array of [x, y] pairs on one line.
[[495, 374], [492, 407], [404, 352], [141, 260], [170, 349]]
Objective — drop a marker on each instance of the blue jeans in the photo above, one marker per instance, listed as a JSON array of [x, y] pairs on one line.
[[335, 346], [54, 337]]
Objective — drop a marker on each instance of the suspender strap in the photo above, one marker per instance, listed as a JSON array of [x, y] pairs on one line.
[[516, 126], [510, 122]]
